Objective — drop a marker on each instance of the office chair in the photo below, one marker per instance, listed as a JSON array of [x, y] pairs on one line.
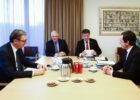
[[119, 53], [31, 53]]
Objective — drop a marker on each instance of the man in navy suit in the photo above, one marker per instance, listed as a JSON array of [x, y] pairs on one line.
[[87, 44], [12, 59], [56, 46], [130, 62]]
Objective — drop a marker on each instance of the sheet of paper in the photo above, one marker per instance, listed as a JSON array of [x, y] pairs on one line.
[[105, 62], [100, 58], [89, 53]]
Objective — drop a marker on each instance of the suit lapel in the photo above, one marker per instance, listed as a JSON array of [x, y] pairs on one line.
[[91, 44], [83, 44], [129, 58], [11, 54], [130, 54], [52, 46]]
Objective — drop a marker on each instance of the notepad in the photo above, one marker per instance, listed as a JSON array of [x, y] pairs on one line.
[[89, 53]]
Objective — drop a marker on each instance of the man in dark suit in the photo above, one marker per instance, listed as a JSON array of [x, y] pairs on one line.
[[12, 59], [87, 44], [130, 62], [56, 46]]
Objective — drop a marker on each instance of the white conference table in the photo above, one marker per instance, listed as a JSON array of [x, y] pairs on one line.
[[105, 87]]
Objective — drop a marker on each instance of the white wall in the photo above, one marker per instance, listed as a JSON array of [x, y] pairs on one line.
[[108, 44]]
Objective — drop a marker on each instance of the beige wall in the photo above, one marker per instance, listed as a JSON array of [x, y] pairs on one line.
[[108, 44]]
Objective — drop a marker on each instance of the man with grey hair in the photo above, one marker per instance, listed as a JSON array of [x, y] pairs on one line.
[[12, 59], [56, 46]]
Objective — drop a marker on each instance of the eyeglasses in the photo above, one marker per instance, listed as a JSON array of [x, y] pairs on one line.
[[23, 40]]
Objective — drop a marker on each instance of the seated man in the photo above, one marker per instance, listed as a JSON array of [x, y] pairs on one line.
[[12, 60], [87, 44], [130, 62], [56, 46]]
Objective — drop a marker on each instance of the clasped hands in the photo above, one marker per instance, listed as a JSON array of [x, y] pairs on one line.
[[60, 54], [107, 70]]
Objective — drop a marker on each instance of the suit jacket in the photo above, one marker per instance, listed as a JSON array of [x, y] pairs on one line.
[[8, 66], [50, 48], [93, 45], [131, 66]]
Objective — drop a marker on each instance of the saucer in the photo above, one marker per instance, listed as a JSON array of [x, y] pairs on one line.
[[77, 79], [52, 83], [63, 79], [93, 69], [90, 80]]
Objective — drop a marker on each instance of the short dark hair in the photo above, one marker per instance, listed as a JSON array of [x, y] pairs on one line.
[[85, 31], [129, 36], [16, 34]]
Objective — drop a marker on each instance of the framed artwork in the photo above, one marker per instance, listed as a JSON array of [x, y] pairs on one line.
[[115, 20]]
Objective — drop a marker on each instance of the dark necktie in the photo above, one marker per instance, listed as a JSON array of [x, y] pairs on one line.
[[56, 47], [87, 45], [19, 65], [125, 57]]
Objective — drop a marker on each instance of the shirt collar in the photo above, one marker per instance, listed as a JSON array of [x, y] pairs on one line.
[[128, 50], [85, 41], [14, 49]]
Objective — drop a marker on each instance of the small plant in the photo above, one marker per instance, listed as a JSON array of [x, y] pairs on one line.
[[138, 39]]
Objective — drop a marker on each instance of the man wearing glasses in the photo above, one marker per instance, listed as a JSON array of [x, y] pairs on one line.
[[12, 59], [56, 46]]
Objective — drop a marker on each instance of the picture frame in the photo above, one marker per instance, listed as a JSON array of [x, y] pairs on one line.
[[115, 20]]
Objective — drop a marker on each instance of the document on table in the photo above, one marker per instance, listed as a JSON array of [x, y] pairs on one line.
[[89, 53], [105, 62], [100, 58]]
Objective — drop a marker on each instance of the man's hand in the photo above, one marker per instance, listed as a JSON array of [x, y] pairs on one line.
[[83, 54], [41, 66], [108, 70], [39, 71], [94, 53], [61, 54]]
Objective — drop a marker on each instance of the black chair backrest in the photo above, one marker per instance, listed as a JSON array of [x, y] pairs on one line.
[[30, 51]]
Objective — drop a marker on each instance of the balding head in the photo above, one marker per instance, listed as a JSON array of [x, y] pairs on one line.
[[54, 36]]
